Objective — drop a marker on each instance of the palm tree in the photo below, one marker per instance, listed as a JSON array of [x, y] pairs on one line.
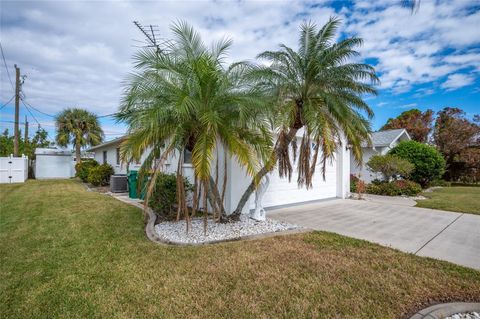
[[319, 90], [184, 97], [79, 127]]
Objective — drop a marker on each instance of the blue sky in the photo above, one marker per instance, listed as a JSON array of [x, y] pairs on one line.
[[78, 53]]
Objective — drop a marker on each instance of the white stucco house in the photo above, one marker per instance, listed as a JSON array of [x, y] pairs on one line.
[[278, 192], [382, 142]]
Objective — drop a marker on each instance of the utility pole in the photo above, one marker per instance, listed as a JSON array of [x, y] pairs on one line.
[[26, 131], [17, 111]]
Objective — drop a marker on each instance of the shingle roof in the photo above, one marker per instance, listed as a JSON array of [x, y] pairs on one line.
[[385, 138]]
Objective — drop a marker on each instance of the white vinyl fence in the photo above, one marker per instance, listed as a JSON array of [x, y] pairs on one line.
[[13, 169]]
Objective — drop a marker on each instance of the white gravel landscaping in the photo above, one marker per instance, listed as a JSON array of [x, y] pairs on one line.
[[468, 315], [175, 232]]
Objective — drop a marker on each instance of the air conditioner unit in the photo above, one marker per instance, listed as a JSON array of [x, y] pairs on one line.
[[118, 183]]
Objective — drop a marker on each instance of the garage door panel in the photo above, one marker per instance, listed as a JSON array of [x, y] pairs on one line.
[[282, 192]]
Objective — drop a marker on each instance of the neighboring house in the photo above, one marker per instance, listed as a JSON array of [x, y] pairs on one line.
[[109, 153], [279, 191], [382, 142]]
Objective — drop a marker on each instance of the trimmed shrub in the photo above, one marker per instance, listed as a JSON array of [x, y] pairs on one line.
[[100, 175], [395, 188], [390, 166], [429, 163], [163, 200], [82, 168]]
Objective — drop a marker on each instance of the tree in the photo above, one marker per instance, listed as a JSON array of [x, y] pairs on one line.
[[184, 97], [315, 88], [390, 166], [429, 163], [79, 127], [453, 135], [6, 144], [417, 123], [40, 139]]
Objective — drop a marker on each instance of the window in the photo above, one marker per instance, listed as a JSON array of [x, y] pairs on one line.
[[187, 157], [118, 155], [104, 157]]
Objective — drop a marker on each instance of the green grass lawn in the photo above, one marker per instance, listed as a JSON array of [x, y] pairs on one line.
[[69, 253], [455, 199]]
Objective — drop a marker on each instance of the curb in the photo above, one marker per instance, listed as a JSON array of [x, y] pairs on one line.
[[443, 310]]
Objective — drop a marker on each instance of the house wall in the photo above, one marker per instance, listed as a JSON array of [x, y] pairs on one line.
[[170, 165], [112, 158], [362, 171], [281, 192]]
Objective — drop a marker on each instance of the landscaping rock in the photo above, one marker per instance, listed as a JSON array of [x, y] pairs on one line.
[[468, 315], [175, 232]]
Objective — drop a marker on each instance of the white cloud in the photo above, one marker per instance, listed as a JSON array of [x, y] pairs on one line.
[[78, 53], [455, 81], [416, 48], [408, 106]]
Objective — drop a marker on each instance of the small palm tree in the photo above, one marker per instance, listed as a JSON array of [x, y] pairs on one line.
[[184, 97], [79, 127], [316, 89]]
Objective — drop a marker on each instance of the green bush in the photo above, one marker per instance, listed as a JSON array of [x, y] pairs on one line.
[[100, 175], [429, 163], [395, 188], [82, 168], [353, 183], [163, 200], [390, 166]]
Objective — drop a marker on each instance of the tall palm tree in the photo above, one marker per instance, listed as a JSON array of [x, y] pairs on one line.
[[184, 97], [319, 90], [79, 127]]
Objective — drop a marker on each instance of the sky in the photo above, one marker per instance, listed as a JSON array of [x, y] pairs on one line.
[[79, 53]]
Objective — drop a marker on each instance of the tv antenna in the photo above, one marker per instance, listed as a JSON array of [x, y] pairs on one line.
[[152, 35]]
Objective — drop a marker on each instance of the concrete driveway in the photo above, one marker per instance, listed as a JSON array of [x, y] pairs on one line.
[[454, 237]]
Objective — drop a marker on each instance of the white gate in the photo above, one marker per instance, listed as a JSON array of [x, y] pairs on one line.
[[13, 169]]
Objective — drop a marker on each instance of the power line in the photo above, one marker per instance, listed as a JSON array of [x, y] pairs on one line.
[[53, 116], [41, 112], [6, 67], [107, 115], [31, 114], [1, 107]]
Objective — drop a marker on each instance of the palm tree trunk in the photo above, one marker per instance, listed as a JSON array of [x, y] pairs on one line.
[[214, 197], [78, 154], [279, 147]]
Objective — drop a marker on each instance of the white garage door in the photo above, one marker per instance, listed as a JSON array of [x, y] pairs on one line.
[[281, 192]]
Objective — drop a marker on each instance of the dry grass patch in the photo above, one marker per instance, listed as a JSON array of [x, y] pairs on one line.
[[70, 253]]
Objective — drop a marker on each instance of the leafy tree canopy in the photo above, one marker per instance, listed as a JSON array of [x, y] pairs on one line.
[[79, 127], [39, 140], [428, 161], [453, 132], [417, 123], [458, 139], [390, 166]]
